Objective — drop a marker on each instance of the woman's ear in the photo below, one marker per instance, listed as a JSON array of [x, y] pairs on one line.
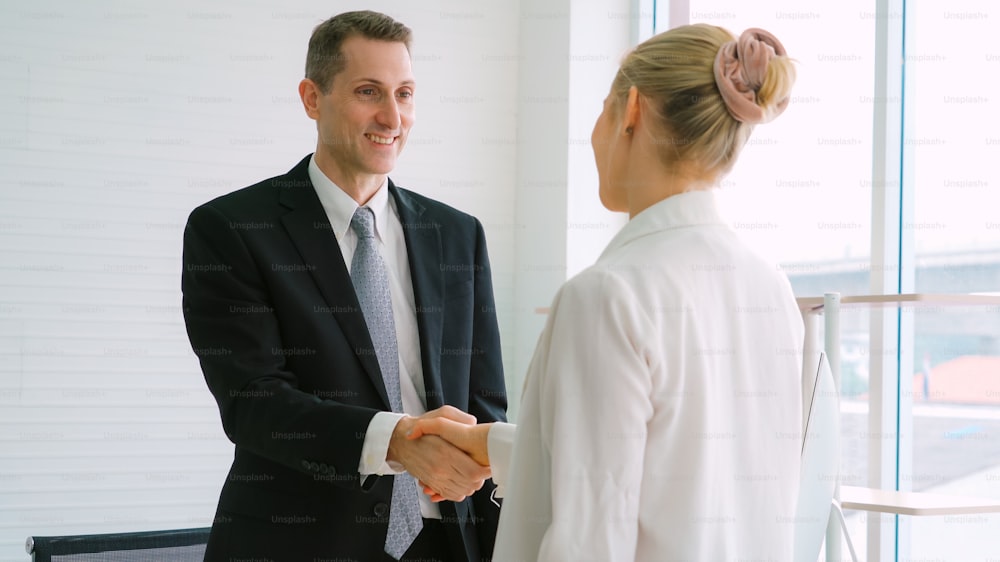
[[632, 107]]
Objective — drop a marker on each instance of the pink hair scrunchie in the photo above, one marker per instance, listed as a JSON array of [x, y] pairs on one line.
[[740, 68]]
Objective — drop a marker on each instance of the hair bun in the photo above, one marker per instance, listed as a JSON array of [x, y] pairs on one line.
[[740, 69]]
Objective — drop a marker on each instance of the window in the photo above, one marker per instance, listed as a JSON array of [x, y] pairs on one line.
[[953, 387]]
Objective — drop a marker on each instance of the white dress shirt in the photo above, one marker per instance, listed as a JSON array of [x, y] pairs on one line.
[[661, 414], [340, 208]]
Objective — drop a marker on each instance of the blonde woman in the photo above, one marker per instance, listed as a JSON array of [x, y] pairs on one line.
[[661, 412]]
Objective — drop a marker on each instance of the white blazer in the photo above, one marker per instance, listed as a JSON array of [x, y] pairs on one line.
[[661, 415]]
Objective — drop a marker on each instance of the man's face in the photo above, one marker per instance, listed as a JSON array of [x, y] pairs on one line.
[[365, 116]]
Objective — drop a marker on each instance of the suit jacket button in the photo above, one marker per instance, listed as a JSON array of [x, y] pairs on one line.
[[381, 509]]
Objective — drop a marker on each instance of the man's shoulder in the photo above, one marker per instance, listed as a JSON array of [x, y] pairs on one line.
[[432, 207], [261, 195], [248, 196]]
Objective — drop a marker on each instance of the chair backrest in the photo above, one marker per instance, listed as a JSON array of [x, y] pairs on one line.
[[180, 545], [820, 459]]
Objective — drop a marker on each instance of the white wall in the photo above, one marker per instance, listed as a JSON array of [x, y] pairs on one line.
[[569, 52], [593, 60]]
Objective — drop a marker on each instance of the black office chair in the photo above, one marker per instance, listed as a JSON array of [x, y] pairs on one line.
[[179, 545]]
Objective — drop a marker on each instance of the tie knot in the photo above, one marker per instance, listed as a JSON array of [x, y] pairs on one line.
[[363, 222]]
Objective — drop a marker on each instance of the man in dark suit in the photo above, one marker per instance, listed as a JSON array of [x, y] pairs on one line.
[[317, 380]]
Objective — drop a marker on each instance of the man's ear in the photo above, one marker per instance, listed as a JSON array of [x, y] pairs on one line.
[[632, 110], [309, 94]]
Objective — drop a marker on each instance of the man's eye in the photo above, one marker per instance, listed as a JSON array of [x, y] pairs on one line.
[[406, 94], [367, 91]]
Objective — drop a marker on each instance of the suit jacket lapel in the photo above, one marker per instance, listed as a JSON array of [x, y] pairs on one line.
[[310, 231], [423, 249]]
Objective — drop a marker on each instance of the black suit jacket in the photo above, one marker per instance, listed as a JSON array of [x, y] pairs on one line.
[[274, 319]]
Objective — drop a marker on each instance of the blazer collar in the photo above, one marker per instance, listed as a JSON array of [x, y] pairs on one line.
[[311, 233], [692, 208], [425, 255]]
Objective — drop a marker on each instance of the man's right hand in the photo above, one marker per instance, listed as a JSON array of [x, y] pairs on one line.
[[437, 464]]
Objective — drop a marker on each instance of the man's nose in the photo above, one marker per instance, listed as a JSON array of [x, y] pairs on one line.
[[388, 115]]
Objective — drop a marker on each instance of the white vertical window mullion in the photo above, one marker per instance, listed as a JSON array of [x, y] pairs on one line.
[[645, 20], [886, 272], [907, 284], [668, 14]]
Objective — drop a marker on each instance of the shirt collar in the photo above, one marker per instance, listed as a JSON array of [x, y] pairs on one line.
[[340, 206], [690, 208]]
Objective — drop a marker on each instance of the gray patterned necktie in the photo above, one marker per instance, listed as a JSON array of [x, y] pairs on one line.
[[371, 283]]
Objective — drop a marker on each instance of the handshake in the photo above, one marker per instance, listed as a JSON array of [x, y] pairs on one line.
[[445, 450]]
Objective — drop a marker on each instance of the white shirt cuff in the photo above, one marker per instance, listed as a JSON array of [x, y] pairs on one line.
[[499, 445], [376, 445]]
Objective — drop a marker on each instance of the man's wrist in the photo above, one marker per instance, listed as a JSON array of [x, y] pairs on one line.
[[399, 436], [376, 444]]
